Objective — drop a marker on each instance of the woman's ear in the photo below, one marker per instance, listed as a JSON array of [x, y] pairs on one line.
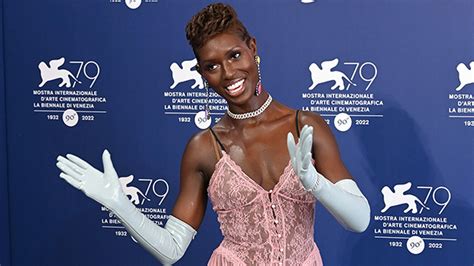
[[198, 68], [252, 44]]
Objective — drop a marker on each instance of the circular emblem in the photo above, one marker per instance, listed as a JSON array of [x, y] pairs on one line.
[[201, 120], [70, 117], [133, 4], [415, 245], [342, 122]]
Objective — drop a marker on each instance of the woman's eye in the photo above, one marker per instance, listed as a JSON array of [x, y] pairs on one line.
[[211, 67], [236, 55]]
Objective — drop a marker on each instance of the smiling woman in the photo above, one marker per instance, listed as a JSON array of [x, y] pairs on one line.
[[262, 185], [230, 67]]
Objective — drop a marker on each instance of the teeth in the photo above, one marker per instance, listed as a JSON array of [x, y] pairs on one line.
[[235, 85]]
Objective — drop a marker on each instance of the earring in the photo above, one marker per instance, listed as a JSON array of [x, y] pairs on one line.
[[258, 88], [206, 110]]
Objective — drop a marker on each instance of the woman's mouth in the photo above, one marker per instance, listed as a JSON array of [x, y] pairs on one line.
[[235, 88]]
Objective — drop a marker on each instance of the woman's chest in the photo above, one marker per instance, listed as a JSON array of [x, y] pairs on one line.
[[230, 188]]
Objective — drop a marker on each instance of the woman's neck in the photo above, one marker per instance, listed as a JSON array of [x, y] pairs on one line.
[[251, 105]]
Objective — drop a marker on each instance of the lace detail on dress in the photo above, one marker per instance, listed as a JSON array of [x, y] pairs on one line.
[[262, 227]]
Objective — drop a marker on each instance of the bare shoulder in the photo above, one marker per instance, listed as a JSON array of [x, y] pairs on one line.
[[316, 121], [325, 148], [199, 153], [322, 134]]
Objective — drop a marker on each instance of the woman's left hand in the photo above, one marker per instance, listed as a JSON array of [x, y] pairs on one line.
[[301, 158]]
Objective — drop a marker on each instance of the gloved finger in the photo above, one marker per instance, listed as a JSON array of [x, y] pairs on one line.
[[307, 145], [109, 169], [290, 141], [304, 132], [67, 170], [78, 161], [306, 161], [307, 130], [303, 147], [71, 180], [301, 132], [310, 130], [71, 165], [294, 165]]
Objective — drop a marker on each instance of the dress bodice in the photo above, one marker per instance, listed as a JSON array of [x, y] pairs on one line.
[[261, 227]]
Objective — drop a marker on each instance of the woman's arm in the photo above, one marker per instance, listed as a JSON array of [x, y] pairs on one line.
[[167, 244], [197, 166], [330, 182]]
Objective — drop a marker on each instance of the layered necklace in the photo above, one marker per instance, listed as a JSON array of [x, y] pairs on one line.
[[255, 113]]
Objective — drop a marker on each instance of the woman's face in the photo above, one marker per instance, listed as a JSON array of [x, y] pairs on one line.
[[228, 64]]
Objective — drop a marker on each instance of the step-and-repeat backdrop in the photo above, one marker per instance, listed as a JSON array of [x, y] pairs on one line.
[[393, 79], [4, 233]]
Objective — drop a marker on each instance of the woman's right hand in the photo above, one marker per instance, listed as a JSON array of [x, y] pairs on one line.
[[104, 187], [167, 244]]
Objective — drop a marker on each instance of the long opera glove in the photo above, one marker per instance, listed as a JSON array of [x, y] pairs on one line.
[[343, 200], [167, 244]]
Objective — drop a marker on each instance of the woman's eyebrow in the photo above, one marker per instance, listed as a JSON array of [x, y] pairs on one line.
[[231, 50]]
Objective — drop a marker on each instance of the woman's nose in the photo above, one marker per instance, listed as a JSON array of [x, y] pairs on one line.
[[228, 70]]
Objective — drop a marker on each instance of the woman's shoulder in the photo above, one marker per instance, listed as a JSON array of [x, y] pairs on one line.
[[200, 154], [200, 141], [311, 119]]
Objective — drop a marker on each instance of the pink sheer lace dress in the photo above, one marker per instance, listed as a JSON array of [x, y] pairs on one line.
[[262, 227]]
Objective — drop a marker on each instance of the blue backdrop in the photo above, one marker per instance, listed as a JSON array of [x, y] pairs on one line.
[[81, 76], [4, 232]]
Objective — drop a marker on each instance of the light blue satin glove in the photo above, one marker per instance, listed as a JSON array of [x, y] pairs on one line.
[[103, 187], [343, 200], [301, 159], [167, 244]]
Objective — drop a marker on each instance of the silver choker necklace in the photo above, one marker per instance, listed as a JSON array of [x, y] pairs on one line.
[[253, 113]]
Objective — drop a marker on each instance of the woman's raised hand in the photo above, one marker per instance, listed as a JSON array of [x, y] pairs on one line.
[[343, 200], [104, 187], [167, 244], [301, 158]]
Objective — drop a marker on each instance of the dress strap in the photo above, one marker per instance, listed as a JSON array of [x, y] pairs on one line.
[[297, 126], [216, 149]]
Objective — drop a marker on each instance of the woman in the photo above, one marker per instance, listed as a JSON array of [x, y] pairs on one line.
[[261, 184]]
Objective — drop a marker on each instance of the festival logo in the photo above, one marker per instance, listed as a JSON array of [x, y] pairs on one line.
[[186, 73], [398, 197], [70, 118], [186, 98], [466, 75], [147, 195], [133, 192], [415, 245], [52, 72], [67, 93], [132, 4], [325, 74], [460, 100], [413, 218], [343, 93], [343, 122]]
